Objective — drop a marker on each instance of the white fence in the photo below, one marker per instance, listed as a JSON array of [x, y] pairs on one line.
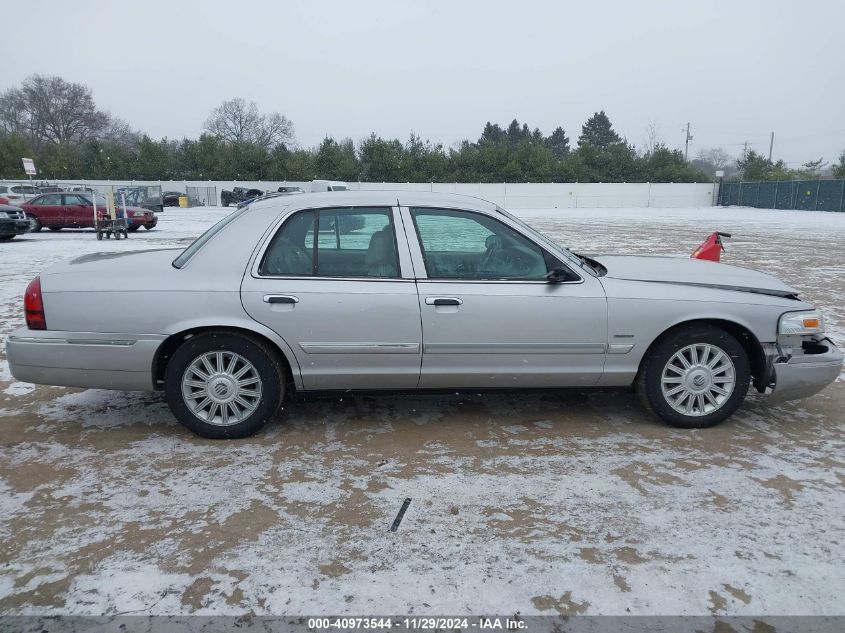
[[507, 195]]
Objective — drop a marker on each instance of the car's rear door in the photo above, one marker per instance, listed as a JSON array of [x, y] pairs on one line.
[[490, 317], [49, 210], [338, 286]]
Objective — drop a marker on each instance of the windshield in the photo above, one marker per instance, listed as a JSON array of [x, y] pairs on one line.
[[197, 244]]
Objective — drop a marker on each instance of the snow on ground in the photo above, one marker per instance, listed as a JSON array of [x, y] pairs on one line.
[[541, 503]]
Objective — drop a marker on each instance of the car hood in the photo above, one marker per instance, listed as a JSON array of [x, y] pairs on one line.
[[693, 272]]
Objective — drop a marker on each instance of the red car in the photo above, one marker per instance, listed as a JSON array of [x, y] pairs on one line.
[[73, 210]]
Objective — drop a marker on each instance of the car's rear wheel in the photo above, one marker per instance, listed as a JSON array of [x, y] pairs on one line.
[[695, 377], [134, 227], [223, 385]]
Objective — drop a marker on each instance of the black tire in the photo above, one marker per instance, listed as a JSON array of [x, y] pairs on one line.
[[55, 228], [99, 235], [147, 228], [264, 359], [650, 377], [35, 224], [134, 227], [4, 238]]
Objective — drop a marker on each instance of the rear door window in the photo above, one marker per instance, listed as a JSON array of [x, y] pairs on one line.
[[350, 242], [50, 200]]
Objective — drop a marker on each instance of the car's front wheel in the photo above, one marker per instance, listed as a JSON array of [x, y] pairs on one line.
[[695, 377], [223, 385]]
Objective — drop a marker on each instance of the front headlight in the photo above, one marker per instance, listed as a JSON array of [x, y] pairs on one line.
[[807, 322]]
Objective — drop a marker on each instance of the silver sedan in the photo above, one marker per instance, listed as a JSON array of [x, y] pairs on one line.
[[411, 291]]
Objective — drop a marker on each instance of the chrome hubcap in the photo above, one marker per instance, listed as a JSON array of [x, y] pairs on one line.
[[221, 388], [698, 379]]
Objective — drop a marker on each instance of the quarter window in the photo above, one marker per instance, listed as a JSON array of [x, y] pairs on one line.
[[466, 245], [350, 242]]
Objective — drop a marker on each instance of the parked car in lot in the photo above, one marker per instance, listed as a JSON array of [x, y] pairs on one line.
[[12, 222], [57, 211], [171, 198], [18, 194], [238, 195], [290, 189], [432, 292]]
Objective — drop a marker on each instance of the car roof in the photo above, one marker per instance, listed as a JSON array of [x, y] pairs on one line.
[[374, 198]]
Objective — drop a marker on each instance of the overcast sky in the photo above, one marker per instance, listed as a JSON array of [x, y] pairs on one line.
[[735, 70]]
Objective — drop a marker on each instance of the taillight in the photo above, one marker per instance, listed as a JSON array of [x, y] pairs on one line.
[[34, 306]]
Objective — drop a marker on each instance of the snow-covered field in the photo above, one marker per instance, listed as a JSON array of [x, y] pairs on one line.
[[538, 504]]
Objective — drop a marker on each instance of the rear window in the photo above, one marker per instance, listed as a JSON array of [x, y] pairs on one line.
[[197, 244]]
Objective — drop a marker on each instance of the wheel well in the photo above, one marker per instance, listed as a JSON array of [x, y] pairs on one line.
[[174, 341], [749, 342]]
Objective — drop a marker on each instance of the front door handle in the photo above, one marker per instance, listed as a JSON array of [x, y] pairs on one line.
[[443, 301], [280, 299]]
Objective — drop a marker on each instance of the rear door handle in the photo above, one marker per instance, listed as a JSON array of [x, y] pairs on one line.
[[443, 301], [280, 299]]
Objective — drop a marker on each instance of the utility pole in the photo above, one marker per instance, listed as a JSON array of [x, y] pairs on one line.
[[687, 139], [771, 145], [744, 150]]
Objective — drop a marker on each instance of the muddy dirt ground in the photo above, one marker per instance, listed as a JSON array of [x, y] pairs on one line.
[[542, 503]]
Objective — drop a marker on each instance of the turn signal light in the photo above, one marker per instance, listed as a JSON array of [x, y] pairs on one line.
[[811, 323], [33, 306]]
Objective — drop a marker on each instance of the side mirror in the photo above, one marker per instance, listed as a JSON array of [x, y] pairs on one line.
[[558, 275]]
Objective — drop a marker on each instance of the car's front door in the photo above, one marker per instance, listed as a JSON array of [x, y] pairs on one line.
[[490, 317], [77, 214], [337, 285]]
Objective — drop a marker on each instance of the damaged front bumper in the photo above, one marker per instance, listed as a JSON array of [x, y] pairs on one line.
[[802, 371]]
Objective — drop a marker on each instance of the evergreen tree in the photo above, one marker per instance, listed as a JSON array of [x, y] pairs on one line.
[[598, 132], [558, 143]]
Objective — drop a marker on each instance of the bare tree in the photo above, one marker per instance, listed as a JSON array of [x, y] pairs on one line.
[[652, 137], [49, 109], [716, 156], [237, 121]]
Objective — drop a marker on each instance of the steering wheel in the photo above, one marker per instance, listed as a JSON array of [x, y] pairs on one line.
[[492, 254]]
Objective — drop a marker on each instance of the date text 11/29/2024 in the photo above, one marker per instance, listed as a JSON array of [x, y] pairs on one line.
[[420, 623]]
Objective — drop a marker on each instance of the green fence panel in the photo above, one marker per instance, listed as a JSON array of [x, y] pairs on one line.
[[805, 198], [729, 194], [830, 195], [805, 195], [748, 193], [766, 193], [783, 195]]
